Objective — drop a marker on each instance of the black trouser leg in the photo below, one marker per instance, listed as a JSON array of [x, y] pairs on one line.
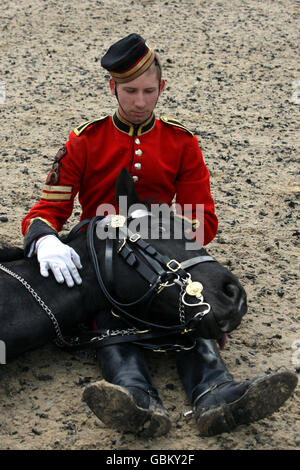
[[220, 403], [126, 399], [201, 367], [124, 364]]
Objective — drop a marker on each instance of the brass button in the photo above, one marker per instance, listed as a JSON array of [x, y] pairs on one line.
[[135, 178], [138, 152], [137, 141], [137, 166]]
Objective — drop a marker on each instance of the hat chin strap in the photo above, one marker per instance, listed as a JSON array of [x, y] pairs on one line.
[[117, 97], [116, 93]]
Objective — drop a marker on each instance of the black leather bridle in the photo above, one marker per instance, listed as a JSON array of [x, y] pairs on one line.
[[157, 269]]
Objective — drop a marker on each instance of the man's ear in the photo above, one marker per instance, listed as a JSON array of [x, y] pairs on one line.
[[162, 86], [112, 86]]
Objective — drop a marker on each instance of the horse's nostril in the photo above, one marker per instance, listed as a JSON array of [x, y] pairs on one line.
[[232, 291], [237, 297]]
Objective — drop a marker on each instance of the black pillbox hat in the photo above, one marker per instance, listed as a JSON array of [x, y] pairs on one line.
[[128, 58]]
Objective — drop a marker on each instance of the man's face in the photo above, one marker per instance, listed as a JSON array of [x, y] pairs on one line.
[[137, 99]]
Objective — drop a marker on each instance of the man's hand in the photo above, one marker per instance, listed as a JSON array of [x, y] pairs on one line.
[[60, 258]]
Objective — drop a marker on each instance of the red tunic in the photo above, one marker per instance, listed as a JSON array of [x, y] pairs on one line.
[[163, 157]]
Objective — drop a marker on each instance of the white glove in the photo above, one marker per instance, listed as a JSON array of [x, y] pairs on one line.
[[60, 258]]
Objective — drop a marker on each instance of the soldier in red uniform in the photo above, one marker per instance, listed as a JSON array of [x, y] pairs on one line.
[[164, 159]]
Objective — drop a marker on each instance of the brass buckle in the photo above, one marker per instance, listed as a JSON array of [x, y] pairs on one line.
[[178, 265], [134, 237]]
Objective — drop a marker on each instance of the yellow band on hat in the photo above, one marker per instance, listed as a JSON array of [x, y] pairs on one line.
[[145, 62]]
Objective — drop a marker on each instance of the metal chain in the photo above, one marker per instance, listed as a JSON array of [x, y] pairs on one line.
[[60, 340], [129, 331], [108, 333], [181, 305]]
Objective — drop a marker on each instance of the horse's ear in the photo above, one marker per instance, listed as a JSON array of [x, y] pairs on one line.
[[125, 187]]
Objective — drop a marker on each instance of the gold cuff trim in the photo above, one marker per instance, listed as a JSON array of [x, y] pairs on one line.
[[57, 197], [57, 189]]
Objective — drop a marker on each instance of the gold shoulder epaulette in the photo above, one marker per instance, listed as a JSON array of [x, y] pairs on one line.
[[173, 122], [79, 130]]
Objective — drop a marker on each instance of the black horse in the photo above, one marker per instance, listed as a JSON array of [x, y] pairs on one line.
[[26, 297], [149, 292]]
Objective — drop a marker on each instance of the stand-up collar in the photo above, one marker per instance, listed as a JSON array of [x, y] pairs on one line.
[[133, 129]]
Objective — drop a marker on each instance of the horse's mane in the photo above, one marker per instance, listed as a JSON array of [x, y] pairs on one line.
[[10, 253], [151, 200]]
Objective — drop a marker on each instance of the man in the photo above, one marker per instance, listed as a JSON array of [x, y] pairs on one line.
[[164, 159]]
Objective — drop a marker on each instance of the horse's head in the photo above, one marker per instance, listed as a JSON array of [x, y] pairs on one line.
[[170, 273], [212, 301]]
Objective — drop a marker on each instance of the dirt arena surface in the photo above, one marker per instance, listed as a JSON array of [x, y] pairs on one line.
[[232, 69]]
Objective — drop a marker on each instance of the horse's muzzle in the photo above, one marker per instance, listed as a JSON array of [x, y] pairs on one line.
[[235, 309], [224, 316]]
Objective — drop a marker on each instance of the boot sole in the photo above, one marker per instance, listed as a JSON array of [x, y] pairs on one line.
[[115, 407], [264, 396]]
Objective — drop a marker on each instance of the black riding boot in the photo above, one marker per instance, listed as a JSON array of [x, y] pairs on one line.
[[220, 404], [126, 399]]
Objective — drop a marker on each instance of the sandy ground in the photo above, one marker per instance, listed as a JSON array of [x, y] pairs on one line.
[[231, 68]]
